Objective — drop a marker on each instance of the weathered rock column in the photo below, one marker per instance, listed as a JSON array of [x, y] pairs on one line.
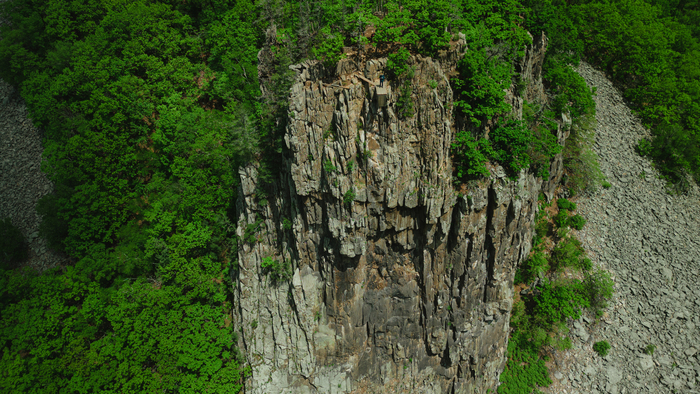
[[400, 283]]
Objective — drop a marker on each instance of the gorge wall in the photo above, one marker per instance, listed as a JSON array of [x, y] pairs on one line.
[[405, 286]]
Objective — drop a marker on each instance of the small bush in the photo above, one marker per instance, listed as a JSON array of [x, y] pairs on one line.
[[585, 264], [251, 231], [534, 267], [602, 348], [567, 253], [644, 147], [471, 155], [397, 64], [13, 246], [557, 303], [607, 185], [564, 344], [577, 222], [432, 83], [649, 349], [563, 203], [349, 196], [351, 166], [404, 104], [286, 224], [511, 143], [329, 167], [562, 218], [276, 270], [599, 289]]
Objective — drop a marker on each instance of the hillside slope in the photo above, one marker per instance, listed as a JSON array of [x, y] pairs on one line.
[[648, 239]]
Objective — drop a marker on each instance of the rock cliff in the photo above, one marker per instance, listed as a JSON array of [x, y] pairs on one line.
[[400, 283]]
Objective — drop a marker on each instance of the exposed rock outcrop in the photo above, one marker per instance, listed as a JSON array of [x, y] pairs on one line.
[[22, 183], [400, 283]]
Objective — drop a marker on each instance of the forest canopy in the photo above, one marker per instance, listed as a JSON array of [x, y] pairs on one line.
[[149, 107]]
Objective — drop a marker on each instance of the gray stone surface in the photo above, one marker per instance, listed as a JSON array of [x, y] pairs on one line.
[[649, 240], [22, 183]]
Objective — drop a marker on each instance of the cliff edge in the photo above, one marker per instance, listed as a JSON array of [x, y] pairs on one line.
[[398, 282]]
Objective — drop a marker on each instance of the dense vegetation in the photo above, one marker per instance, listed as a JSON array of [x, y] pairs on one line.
[[148, 108], [651, 50], [551, 297]]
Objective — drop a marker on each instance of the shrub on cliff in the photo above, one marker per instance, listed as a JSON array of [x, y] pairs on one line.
[[471, 155], [276, 270], [598, 286], [568, 253], [577, 222], [556, 303], [563, 203]]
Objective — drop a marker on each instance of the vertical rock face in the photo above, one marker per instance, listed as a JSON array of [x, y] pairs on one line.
[[399, 283]]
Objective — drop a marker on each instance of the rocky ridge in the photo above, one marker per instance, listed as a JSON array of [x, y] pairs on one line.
[[649, 241], [399, 282], [22, 183]]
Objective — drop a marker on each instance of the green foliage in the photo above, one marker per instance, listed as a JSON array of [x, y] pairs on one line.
[[486, 70], [602, 348], [398, 66], [568, 253], [652, 59], [422, 25], [573, 98], [471, 155], [433, 84], [564, 344], [534, 267], [644, 148], [64, 334], [556, 303], [13, 246], [142, 140], [563, 203], [649, 349], [481, 85], [561, 220], [571, 94], [286, 224], [329, 47], [543, 148], [577, 222], [599, 289], [351, 166], [522, 374], [525, 368], [607, 185], [329, 167], [251, 231], [404, 104], [349, 196], [510, 143], [277, 271]]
